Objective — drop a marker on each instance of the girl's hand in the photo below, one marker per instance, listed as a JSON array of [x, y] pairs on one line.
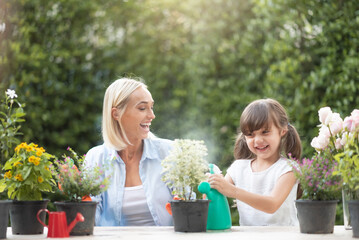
[[222, 185]]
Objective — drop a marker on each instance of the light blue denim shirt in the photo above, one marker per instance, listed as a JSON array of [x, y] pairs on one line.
[[109, 208]]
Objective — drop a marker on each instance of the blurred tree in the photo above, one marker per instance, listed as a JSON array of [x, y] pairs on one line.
[[313, 60], [49, 54], [204, 61]]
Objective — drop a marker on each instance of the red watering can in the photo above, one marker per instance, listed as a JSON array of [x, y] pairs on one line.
[[57, 227]]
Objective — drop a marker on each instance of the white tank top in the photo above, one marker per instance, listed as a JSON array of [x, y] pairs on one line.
[[263, 183], [135, 209]]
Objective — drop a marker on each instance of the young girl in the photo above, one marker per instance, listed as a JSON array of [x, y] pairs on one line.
[[261, 179]]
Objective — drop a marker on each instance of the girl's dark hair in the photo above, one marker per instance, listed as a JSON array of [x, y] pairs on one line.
[[261, 114]]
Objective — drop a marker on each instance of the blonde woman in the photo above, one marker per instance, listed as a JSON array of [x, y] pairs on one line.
[[136, 195]]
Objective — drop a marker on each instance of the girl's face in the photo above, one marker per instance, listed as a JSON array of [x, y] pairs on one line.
[[138, 115], [265, 142]]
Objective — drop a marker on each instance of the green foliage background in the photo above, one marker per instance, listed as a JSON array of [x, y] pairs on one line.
[[204, 61]]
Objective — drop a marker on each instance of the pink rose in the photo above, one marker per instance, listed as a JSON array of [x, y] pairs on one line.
[[324, 113], [355, 117], [335, 123], [338, 144], [355, 112], [324, 131], [349, 124]]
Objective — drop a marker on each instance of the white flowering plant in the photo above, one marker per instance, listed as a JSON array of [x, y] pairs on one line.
[[11, 115], [185, 167]]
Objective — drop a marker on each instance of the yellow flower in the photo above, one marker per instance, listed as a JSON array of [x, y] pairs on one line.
[[20, 146], [17, 163], [38, 153], [34, 160], [8, 175], [40, 179], [29, 148], [19, 177], [41, 149]]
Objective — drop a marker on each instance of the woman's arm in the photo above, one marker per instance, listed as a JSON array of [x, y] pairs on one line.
[[268, 204]]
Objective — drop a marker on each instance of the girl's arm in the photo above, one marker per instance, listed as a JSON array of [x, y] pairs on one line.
[[268, 204]]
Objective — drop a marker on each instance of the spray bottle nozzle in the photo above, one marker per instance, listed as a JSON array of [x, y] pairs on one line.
[[211, 168]]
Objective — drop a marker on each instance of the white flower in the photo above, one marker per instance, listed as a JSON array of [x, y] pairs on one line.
[[320, 142], [323, 114], [11, 93], [185, 166], [335, 123], [338, 144], [349, 124], [324, 131], [355, 117]]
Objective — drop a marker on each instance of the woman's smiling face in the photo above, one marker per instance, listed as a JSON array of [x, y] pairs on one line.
[[138, 115]]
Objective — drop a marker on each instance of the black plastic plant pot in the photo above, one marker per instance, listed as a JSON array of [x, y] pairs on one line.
[[23, 217], [4, 217], [86, 208], [315, 216], [354, 216], [190, 216]]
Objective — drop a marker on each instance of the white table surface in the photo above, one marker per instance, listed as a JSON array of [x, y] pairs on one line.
[[168, 233]]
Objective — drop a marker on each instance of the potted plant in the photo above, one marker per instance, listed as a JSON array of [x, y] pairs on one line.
[[320, 186], [183, 170], [11, 114], [77, 183], [321, 191], [348, 169], [27, 175]]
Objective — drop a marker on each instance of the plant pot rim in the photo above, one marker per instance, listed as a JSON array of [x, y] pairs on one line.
[[315, 201], [6, 201], [190, 201], [71, 202], [29, 201]]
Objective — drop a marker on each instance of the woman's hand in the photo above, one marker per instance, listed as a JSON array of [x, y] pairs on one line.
[[222, 185]]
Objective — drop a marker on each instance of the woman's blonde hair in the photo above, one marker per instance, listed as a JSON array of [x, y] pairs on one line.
[[261, 114], [117, 96]]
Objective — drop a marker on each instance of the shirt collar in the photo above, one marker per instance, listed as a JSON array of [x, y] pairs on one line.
[[149, 150]]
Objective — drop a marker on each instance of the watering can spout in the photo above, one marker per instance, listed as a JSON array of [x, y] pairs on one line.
[[78, 218]]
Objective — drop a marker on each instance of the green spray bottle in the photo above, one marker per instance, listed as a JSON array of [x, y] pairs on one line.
[[219, 215]]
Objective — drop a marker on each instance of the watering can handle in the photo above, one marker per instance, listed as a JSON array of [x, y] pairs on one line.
[[38, 216], [211, 168]]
